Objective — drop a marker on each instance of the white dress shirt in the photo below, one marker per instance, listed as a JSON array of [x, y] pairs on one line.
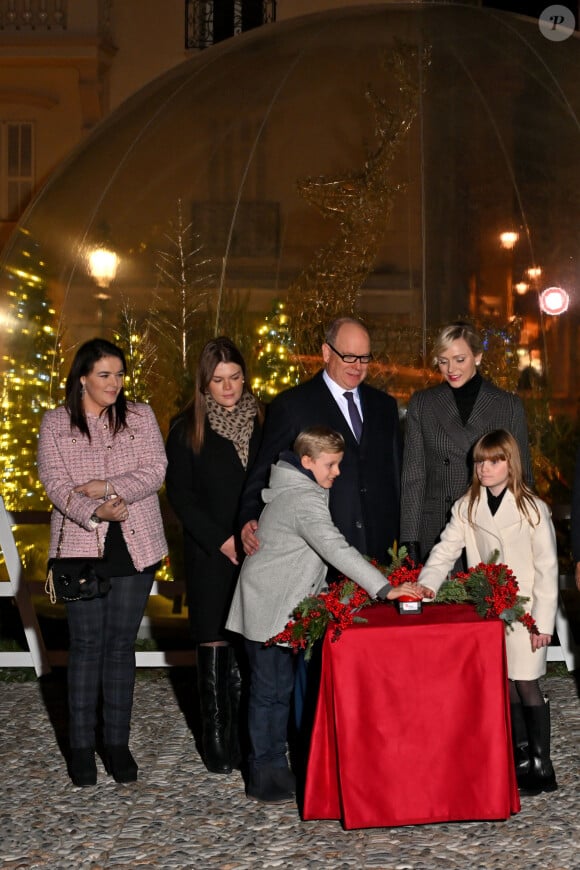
[[338, 396]]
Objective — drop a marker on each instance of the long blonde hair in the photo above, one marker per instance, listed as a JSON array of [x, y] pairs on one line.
[[500, 444]]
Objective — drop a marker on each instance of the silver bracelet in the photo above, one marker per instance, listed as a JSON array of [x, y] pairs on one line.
[[106, 489]]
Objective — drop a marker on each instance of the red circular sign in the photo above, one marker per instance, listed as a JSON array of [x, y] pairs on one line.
[[554, 300]]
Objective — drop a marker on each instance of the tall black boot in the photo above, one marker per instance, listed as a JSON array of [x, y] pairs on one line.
[[213, 672], [541, 776], [520, 741]]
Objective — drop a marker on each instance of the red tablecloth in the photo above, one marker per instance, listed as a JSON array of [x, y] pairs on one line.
[[413, 722]]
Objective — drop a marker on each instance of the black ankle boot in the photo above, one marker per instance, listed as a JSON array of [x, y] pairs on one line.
[[120, 764], [213, 675], [82, 766], [268, 785], [284, 777], [541, 776]]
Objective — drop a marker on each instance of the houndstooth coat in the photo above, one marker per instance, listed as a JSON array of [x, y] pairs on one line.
[[437, 465]]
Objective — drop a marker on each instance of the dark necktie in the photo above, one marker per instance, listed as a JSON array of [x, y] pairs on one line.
[[354, 415]]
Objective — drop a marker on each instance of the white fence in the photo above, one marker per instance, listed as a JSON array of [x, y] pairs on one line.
[[41, 659], [17, 587]]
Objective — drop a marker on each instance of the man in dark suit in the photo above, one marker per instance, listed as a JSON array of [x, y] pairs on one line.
[[364, 500]]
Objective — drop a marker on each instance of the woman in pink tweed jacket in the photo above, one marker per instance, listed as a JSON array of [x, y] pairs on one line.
[[102, 461]]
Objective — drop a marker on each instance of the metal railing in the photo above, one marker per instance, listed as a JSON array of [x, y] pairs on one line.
[[210, 21], [32, 15], [42, 660], [17, 587]]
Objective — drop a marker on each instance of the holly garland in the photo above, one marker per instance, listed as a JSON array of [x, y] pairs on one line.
[[490, 586], [493, 589]]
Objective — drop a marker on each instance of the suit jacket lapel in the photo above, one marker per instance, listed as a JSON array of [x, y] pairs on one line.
[[481, 409], [448, 418], [450, 421]]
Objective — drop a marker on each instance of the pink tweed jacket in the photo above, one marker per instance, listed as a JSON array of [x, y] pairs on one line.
[[133, 461]]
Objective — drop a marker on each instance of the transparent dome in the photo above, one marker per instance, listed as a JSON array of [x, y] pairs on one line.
[[363, 159]]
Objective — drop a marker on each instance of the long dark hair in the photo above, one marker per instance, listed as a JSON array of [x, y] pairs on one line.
[[215, 351], [83, 363]]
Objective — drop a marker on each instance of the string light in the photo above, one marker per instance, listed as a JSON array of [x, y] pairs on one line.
[[29, 362], [274, 369]]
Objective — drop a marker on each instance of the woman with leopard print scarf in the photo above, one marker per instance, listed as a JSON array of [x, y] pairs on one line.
[[210, 449]]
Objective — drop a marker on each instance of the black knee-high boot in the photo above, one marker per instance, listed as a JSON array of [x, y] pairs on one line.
[[213, 677], [520, 741], [541, 775]]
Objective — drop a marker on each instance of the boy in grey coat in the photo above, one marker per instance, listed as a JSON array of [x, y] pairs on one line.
[[297, 540]]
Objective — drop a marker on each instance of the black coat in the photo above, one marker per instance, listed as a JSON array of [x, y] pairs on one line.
[[364, 500], [204, 491]]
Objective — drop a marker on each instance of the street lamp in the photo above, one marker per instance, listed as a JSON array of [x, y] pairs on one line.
[[508, 241], [102, 266]]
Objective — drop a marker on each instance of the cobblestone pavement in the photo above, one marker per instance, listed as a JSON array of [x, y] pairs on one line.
[[179, 816]]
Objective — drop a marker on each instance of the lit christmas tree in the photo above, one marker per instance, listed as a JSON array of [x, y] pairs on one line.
[[30, 380], [276, 366]]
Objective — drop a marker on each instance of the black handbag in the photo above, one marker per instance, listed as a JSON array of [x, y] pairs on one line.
[[78, 578]]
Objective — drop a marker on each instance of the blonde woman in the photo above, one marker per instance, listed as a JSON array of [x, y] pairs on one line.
[[442, 425]]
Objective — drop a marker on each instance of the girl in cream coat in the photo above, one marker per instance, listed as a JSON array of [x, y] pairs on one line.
[[499, 513]]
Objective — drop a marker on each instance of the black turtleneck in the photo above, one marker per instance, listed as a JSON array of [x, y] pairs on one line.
[[466, 395], [494, 501]]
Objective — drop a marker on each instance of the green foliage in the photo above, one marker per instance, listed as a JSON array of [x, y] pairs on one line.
[[398, 556], [452, 592], [490, 587]]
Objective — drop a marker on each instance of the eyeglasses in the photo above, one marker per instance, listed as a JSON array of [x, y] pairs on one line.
[[362, 358]]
